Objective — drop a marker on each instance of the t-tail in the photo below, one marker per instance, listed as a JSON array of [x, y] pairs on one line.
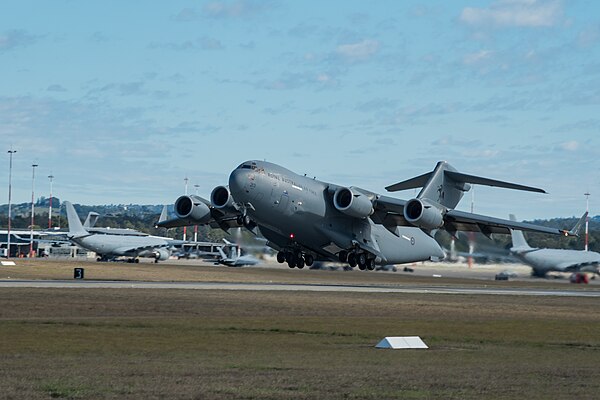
[[76, 229], [518, 239], [442, 190]]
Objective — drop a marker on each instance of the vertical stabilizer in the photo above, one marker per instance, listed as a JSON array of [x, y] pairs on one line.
[[75, 227], [518, 239]]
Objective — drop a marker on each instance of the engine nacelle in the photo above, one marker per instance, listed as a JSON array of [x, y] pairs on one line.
[[352, 203], [423, 214], [161, 254], [221, 198], [193, 208]]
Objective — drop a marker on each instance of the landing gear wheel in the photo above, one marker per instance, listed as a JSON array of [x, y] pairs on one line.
[[291, 264], [240, 220], [300, 263], [309, 260], [371, 264], [352, 260], [280, 257], [137, 261], [362, 259], [343, 255]]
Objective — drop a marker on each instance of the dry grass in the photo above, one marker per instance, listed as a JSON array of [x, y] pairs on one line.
[[107, 343]]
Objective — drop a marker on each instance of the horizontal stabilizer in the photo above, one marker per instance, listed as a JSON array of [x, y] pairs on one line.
[[416, 182], [478, 180]]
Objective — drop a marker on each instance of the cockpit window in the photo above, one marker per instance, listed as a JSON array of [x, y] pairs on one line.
[[247, 166]]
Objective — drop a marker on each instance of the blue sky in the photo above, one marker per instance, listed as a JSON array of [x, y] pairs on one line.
[[121, 100]]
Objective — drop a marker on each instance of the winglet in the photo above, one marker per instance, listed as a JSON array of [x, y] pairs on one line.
[[575, 230]]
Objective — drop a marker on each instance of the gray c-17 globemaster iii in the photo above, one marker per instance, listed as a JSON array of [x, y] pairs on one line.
[[305, 219]]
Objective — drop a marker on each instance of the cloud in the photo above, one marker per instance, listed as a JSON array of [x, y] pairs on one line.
[[186, 15], [56, 88], [359, 51], [202, 43], [452, 141], [12, 39], [478, 57], [236, 9], [515, 13], [571, 145]]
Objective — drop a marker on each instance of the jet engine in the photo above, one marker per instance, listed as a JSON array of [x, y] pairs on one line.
[[193, 208], [221, 198], [352, 203], [161, 254], [424, 215]]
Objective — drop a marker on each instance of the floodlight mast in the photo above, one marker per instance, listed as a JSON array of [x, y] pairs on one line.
[[10, 152], [587, 218], [33, 166]]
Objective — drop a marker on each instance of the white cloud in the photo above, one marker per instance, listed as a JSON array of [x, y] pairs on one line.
[[477, 57], [520, 13], [359, 51], [572, 145]]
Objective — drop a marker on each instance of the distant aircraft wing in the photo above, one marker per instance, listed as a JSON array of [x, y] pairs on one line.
[[389, 212], [133, 251]]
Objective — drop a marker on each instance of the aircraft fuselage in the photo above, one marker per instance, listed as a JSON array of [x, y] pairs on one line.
[[298, 211]]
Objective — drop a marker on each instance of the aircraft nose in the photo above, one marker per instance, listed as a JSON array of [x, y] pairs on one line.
[[238, 181]]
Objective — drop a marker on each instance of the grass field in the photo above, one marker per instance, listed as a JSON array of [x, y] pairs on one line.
[[204, 344]]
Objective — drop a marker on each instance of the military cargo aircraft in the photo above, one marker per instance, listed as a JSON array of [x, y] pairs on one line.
[[543, 261], [305, 219], [109, 244]]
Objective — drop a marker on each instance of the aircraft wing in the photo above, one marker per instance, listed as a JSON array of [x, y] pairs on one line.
[[133, 251], [215, 218], [575, 266], [389, 212]]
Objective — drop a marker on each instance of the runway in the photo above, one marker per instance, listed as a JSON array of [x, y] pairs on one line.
[[420, 289]]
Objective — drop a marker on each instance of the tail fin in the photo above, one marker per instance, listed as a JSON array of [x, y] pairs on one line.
[[91, 219], [518, 239], [163, 215], [75, 227], [575, 230], [446, 186]]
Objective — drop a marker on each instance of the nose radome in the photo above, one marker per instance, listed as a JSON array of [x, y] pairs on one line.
[[237, 182]]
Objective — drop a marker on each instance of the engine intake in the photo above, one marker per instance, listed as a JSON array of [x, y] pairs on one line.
[[193, 208], [354, 204], [423, 215], [221, 197], [161, 254]]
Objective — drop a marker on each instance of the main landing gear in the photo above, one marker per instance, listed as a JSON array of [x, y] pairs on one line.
[[295, 258], [356, 257]]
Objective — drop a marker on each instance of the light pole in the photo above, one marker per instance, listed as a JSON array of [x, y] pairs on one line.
[[186, 192], [196, 226], [51, 177], [33, 166], [587, 218], [10, 154]]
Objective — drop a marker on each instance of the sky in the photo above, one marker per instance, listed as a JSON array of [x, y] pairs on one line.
[[120, 101]]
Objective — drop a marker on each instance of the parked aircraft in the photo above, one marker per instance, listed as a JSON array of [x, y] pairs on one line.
[[108, 245], [305, 219], [231, 255], [560, 260]]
